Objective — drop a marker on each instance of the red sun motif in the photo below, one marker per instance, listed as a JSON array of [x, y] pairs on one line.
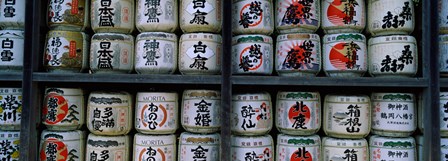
[[61, 108], [293, 3], [337, 12], [293, 113], [339, 57], [61, 150], [307, 157], [257, 64]]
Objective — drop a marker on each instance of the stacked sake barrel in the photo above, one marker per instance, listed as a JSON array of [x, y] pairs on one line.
[[298, 47], [200, 117], [252, 119], [156, 120], [67, 44], [394, 120], [298, 118], [443, 37], [63, 113], [200, 46], [12, 24], [10, 117]]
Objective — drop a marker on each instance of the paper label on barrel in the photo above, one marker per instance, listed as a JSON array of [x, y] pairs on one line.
[[10, 146], [393, 58], [67, 12], [53, 149], [443, 114], [380, 154], [443, 153], [201, 113], [393, 116], [198, 152], [348, 118], [300, 55], [298, 115], [343, 13], [252, 116], [153, 116], [156, 12], [62, 110], [253, 57], [58, 52], [345, 56], [345, 154], [108, 119], [101, 154], [199, 56], [295, 13], [198, 11], [11, 51], [109, 55], [386, 15], [155, 55], [155, 153], [113, 14], [265, 153], [13, 13], [298, 153], [10, 109]]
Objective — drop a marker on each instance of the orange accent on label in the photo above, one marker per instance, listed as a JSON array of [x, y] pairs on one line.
[[125, 15], [122, 118], [119, 156], [125, 57], [75, 7], [72, 49]]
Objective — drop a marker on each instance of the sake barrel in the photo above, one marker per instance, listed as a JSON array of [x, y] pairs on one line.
[[251, 113]]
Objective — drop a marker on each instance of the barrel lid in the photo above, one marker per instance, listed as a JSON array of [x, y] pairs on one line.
[[347, 98], [75, 135], [107, 141], [313, 140], [12, 34], [11, 91], [329, 141], [201, 36], [261, 96], [392, 39], [391, 142], [343, 37], [443, 95], [251, 39], [64, 91], [157, 35], [298, 36], [157, 96], [239, 141], [112, 37], [298, 95], [108, 98], [10, 135], [209, 94], [409, 97], [190, 138], [154, 140]]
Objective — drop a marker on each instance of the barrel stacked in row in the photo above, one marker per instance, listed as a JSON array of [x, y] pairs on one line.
[[347, 119], [12, 24], [156, 48], [10, 118], [299, 51], [443, 38], [110, 118]]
